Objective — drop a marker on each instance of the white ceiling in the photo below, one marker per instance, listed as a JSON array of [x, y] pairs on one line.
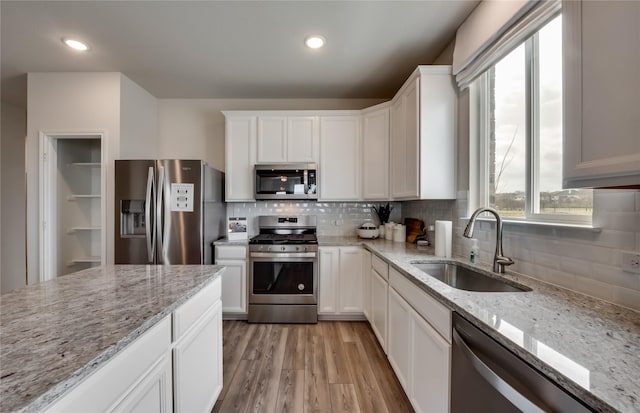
[[230, 49]]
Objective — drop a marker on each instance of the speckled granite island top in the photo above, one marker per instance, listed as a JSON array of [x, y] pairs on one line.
[[54, 334], [588, 346]]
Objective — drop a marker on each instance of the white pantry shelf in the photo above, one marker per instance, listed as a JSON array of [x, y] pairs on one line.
[[86, 164], [80, 260], [76, 229], [77, 196]]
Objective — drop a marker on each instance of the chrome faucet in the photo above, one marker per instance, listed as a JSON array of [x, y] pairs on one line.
[[499, 260]]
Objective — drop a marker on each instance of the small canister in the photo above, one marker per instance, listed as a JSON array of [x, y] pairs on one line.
[[399, 233], [388, 230]]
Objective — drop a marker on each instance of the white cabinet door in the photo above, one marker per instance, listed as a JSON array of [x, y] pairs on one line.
[[339, 158], [272, 139], [398, 167], [423, 121], [430, 368], [329, 271], [601, 93], [375, 154], [405, 143], [302, 139], [398, 347], [153, 393], [240, 157], [125, 378], [379, 289], [350, 280], [366, 284], [412, 139], [234, 286], [198, 364]]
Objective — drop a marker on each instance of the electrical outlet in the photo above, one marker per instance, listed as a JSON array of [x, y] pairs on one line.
[[631, 262]]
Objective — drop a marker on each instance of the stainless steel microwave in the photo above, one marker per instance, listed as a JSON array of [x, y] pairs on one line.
[[287, 181]]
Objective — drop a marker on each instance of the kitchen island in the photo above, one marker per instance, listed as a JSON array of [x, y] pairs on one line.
[[587, 346], [56, 334]]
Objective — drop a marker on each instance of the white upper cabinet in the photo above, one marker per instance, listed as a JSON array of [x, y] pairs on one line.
[[375, 153], [302, 139], [423, 134], [602, 93], [287, 139], [272, 139], [339, 167], [240, 157]]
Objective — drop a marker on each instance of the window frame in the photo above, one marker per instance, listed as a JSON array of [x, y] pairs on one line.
[[479, 136]]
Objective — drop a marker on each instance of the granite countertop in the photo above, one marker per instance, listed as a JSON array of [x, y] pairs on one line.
[[589, 347], [54, 334]]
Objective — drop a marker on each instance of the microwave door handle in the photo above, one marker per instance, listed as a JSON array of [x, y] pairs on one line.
[[151, 241], [305, 181], [159, 214], [505, 389]]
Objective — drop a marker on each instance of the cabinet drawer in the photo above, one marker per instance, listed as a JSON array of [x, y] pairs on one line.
[[188, 313], [431, 310], [231, 253], [380, 266]]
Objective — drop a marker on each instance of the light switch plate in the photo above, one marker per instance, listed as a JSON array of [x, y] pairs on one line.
[[631, 261]]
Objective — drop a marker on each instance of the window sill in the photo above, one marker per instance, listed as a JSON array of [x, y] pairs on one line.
[[550, 225]]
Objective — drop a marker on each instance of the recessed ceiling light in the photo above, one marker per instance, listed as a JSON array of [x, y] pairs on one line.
[[315, 42], [75, 44]]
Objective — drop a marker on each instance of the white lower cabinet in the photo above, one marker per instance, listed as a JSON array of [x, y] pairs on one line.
[[429, 358], [379, 289], [197, 359], [340, 280], [366, 284], [234, 278], [419, 347], [152, 393], [398, 347], [174, 366], [123, 382], [379, 273]]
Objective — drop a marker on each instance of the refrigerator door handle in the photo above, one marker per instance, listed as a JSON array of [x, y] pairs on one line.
[[159, 214], [151, 242]]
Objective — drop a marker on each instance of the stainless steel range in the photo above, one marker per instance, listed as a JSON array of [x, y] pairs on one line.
[[283, 270]]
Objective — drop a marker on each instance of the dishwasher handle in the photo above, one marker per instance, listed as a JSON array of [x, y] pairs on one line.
[[506, 389]]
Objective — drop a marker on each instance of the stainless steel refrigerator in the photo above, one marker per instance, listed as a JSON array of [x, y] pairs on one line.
[[167, 211]]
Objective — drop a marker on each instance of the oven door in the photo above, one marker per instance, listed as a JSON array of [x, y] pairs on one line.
[[284, 278]]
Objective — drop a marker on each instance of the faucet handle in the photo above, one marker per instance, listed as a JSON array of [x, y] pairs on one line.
[[504, 260]]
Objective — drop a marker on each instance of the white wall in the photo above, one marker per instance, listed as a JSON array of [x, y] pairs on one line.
[[138, 122], [69, 102], [194, 128], [12, 188]]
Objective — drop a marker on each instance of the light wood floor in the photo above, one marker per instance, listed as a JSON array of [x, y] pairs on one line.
[[326, 367]]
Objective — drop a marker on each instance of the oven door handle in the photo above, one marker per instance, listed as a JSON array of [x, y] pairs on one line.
[[283, 255], [495, 380]]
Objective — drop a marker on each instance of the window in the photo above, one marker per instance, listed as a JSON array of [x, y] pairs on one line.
[[520, 132]]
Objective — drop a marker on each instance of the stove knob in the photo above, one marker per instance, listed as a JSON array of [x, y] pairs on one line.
[[300, 287], [269, 249], [283, 248], [297, 248]]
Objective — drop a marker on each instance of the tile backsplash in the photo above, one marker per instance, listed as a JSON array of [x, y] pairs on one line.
[[584, 260], [334, 218]]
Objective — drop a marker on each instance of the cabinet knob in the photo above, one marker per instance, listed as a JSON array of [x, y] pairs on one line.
[[300, 287]]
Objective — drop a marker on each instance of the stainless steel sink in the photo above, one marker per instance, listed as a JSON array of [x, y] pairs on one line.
[[464, 278]]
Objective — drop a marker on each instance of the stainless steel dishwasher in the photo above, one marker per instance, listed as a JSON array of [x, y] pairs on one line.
[[486, 377]]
